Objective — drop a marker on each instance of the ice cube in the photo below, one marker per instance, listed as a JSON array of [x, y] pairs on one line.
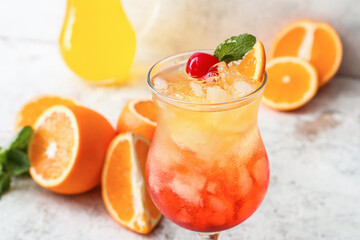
[[184, 216], [188, 187], [221, 208], [179, 96], [223, 74], [160, 84], [196, 89], [219, 204], [245, 182], [241, 89], [260, 172], [222, 67], [216, 94], [155, 182], [211, 187]]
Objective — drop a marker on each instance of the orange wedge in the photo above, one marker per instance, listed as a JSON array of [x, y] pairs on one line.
[[253, 64], [33, 109], [291, 83], [68, 148], [316, 42], [123, 184], [139, 117]]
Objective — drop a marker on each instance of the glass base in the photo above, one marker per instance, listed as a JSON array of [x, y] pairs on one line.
[[209, 236]]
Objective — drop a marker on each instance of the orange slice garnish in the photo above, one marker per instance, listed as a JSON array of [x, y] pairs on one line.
[[316, 42], [291, 83], [123, 184], [253, 64], [68, 148], [139, 117]]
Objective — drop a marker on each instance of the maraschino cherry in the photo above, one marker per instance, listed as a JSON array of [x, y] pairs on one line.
[[199, 64]]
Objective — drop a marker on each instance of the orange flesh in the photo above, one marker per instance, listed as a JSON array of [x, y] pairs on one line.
[[323, 54], [290, 43], [254, 61], [146, 109], [142, 149], [53, 141], [279, 91], [248, 65], [118, 186]]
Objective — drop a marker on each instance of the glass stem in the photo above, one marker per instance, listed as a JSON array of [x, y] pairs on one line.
[[209, 236]]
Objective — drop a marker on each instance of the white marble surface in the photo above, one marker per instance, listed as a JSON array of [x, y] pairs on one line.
[[314, 156]]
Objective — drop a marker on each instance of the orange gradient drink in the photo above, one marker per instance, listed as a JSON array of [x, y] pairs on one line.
[[207, 168]]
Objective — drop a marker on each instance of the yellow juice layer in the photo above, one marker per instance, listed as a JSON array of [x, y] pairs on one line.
[[210, 133]]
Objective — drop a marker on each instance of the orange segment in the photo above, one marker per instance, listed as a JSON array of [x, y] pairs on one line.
[[326, 52], [253, 64], [289, 40], [33, 109], [139, 117], [316, 42], [49, 159], [292, 82], [68, 148], [123, 184]]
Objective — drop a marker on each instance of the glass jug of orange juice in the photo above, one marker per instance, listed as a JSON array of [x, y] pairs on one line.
[[97, 41]]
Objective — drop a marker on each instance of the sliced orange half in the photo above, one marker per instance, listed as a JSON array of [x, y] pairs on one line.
[[33, 109], [139, 117], [291, 83], [316, 42], [123, 184], [68, 148], [253, 64]]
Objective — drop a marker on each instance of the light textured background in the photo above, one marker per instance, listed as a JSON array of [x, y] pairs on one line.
[[169, 26], [314, 152]]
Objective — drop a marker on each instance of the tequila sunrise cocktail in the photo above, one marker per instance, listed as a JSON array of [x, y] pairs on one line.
[[207, 168]]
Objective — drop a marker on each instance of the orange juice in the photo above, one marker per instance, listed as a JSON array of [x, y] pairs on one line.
[[97, 41]]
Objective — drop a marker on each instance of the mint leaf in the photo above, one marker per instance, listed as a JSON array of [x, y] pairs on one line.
[[234, 48], [4, 183], [16, 162], [13, 159], [2, 156], [22, 138]]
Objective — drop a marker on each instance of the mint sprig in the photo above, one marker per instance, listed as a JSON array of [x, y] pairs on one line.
[[13, 158], [234, 48]]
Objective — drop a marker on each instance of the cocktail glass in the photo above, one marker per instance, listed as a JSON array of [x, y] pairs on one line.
[[207, 169]]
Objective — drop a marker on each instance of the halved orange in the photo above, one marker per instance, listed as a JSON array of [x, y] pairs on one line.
[[316, 42], [139, 117], [123, 184], [68, 148], [33, 109], [291, 83], [253, 64]]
